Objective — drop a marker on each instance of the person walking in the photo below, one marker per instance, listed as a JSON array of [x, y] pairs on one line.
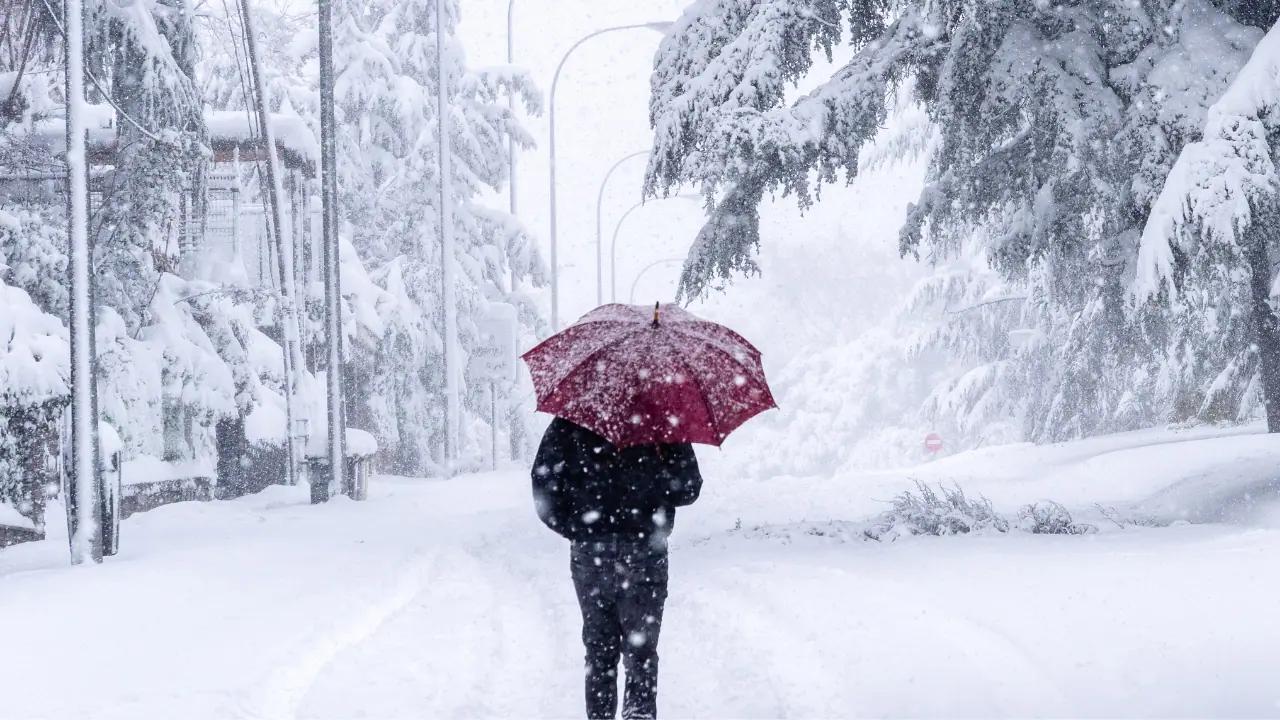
[[617, 507], [630, 391]]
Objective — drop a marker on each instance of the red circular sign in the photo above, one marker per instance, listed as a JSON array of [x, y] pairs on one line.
[[933, 442]]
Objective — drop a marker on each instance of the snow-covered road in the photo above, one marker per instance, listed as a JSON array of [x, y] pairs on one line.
[[448, 599]]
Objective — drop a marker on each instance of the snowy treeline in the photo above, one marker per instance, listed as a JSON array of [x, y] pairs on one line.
[[190, 351], [389, 202], [1055, 127]]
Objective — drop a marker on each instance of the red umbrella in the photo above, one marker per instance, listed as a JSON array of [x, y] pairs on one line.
[[638, 376]]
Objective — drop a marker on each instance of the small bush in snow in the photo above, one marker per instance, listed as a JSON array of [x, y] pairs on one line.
[[926, 512], [1050, 518], [1123, 521]]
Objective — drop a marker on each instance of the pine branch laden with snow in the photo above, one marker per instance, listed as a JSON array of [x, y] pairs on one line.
[[718, 84], [1055, 122], [1211, 193], [1201, 256]]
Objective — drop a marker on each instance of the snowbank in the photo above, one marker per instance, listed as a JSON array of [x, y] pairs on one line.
[[9, 516]]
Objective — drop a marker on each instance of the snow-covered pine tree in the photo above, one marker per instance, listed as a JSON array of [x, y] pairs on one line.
[[1057, 121], [1210, 245], [388, 197], [143, 53], [389, 189]]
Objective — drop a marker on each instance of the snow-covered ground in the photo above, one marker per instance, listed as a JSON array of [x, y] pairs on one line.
[[448, 599]]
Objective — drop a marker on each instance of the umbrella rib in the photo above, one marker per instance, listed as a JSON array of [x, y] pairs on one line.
[[711, 340], [711, 415], [715, 347]]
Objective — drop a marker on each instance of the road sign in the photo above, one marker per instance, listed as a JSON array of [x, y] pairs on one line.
[[494, 357], [933, 443]]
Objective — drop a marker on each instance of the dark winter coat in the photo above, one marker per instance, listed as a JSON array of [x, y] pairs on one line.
[[585, 488]]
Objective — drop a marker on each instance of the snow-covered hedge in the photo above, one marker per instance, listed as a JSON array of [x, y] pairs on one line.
[[34, 372]]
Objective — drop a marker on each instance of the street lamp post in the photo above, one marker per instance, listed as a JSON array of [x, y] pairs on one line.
[[613, 243], [511, 105], [599, 232], [631, 298], [555, 79]]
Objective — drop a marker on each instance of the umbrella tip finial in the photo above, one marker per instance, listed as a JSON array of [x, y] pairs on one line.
[[655, 314]]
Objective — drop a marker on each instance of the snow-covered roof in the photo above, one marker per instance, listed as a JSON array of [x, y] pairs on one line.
[[229, 131]]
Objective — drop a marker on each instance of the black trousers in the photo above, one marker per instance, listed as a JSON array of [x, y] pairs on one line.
[[622, 586]]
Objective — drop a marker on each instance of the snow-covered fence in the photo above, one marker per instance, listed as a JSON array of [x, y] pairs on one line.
[[147, 483]]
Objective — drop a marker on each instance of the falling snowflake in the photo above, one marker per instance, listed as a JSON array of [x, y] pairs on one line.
[[637, 639], [590, 516]]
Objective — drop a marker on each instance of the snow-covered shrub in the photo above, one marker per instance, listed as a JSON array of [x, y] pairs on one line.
[[1047, 517], [926, 512], [33, 245], [34, 375], [164, 386], [1123, 520]]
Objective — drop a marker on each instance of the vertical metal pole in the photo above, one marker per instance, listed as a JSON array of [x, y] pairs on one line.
[[451, 369], [551, 144], [85, 479], [332, 264], [293, 365], [511, 105]]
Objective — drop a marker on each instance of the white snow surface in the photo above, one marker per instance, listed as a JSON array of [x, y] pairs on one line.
[[448, 599], [9, 516], [361, 443]]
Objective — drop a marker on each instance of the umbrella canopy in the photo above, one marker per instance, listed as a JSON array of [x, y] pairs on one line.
[[638, 375]]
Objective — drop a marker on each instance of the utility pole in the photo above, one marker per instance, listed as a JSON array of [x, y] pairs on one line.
[[332, 256], [293, 365], [86, 512], [511, 105], [451, 369]]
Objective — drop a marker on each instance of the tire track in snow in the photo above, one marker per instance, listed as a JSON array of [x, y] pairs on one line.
[[281, 694], [477, 641]]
